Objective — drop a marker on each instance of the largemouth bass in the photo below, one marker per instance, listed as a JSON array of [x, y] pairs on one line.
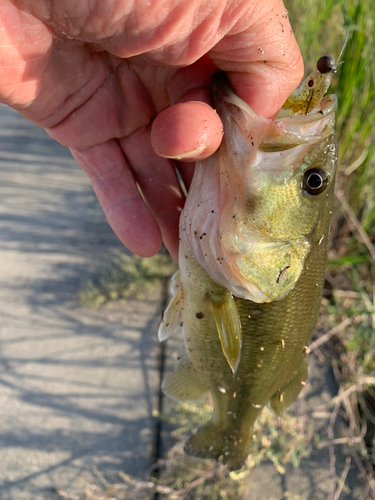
[[253, 243]]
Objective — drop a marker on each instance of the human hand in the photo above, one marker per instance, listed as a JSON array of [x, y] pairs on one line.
[[96, 74]]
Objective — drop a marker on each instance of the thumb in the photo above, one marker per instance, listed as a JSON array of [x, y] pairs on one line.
[[261, 57]]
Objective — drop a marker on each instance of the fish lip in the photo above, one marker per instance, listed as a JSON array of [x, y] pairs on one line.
[[326, 106], [284, 132], [222, 91]]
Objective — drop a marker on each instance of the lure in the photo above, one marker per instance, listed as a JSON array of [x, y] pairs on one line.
[[311, 90]]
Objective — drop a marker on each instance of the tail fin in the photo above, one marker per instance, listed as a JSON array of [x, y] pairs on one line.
[[213, 441]]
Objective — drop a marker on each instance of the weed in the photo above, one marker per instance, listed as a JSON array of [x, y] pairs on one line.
[[128, 277], [349, 295]]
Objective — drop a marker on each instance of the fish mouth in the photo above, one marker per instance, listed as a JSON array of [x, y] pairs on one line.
[[286, 131], [222, 93]]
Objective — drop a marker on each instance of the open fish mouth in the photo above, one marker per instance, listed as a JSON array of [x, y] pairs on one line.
[[286, 131], [249, 219]]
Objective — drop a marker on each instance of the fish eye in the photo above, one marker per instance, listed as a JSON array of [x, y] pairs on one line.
[[315, 181], [326, 64], [310, 83]]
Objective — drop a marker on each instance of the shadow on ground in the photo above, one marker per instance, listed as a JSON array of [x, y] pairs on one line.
[[77, 385]]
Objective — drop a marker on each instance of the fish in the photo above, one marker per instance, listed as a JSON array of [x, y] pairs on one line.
[[253, 246]]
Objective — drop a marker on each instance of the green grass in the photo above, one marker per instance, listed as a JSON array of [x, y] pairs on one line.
[[320, 29], [127, 277]]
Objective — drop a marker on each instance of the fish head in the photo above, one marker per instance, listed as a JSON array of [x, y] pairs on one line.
[[309, 93], [262, 200]]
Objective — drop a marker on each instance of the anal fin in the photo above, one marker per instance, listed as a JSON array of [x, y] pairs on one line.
[[185, 384], [228, 326], [285, 396]]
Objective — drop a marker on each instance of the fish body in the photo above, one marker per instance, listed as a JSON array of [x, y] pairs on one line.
[[253, 243]]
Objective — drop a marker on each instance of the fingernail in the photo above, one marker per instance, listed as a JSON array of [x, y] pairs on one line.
[[189, 154]]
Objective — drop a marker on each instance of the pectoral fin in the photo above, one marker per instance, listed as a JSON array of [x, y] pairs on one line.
[[228, 326], [172, 318], [285, 396], [185, 384]]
